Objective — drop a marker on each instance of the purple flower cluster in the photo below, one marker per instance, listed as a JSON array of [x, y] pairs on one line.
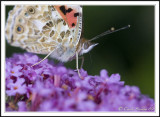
[[49, 87]]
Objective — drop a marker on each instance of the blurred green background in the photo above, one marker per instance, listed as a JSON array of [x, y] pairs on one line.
[[128, 52]]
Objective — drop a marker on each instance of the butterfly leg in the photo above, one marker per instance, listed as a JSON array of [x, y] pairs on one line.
[[42, 59], [77, 66], [82, 61]]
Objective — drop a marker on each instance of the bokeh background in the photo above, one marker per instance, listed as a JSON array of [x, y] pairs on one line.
[[128, 52]]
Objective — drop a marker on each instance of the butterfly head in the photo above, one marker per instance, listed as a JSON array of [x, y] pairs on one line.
[[86, 46]]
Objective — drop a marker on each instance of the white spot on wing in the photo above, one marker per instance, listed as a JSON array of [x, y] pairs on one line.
[[38, 24]]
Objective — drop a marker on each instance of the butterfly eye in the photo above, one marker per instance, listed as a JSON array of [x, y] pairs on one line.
[[31, 10], [86, 45], [19, 29]]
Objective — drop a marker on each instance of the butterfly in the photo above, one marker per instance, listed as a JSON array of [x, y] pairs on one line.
[[53, 30]]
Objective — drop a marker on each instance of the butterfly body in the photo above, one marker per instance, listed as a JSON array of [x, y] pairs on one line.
[[54, 30]]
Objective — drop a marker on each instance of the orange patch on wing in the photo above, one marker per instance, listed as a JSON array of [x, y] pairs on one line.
[[72, 21], [68, 16]]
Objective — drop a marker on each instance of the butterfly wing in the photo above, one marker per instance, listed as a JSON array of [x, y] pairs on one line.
[[44, 28]]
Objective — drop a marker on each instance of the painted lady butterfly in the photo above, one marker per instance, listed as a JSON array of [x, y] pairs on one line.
[[51, 30]]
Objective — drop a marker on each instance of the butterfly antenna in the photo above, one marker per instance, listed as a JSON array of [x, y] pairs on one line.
[[112, 30]]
